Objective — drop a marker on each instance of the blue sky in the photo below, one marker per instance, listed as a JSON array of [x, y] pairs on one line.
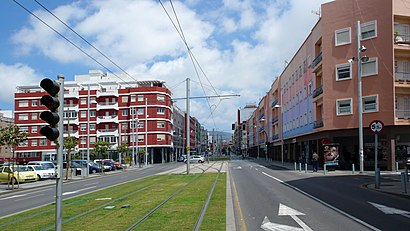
[[241, 45]]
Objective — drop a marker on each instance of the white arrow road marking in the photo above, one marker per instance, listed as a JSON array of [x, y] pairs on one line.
[[73, 192], [269, 226], [285, 211], [239, 167], [11, 197], [390, 210]]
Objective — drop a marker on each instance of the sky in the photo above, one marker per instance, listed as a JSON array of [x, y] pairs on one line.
[[239, 46]]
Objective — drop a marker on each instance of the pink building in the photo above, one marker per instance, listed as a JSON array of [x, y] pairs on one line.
[[317, 93]]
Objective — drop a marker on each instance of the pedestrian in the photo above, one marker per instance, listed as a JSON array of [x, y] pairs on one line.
[[315, 161]]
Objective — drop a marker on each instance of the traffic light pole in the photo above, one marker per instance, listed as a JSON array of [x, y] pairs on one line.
[[60, 146]]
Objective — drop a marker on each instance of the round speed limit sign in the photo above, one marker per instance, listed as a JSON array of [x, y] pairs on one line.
[[376, 126]]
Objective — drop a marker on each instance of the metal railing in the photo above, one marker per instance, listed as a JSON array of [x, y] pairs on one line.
[[402, 76], [318, 91], [318, 123], [317, 60], [401, 38], [403, 114]]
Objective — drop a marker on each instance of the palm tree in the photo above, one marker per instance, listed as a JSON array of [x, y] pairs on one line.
[[12, 137]]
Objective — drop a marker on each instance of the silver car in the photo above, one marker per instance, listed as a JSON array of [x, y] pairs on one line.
[[196, 159]]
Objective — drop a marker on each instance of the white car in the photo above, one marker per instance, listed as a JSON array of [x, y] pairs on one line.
[[196, 159], [42, 172]]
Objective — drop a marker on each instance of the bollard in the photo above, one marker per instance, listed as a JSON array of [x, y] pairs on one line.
[[377, 177], [324, 169], [300, 167], [403, 182], [295, 167], [397, 166], [305, 168], [353, 170]]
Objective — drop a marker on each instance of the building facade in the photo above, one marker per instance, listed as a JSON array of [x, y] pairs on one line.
[[314, 101], [6, 119], [101, 106]]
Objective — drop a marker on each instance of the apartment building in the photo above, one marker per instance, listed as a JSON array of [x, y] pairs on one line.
[[314, 101], [101, 106]]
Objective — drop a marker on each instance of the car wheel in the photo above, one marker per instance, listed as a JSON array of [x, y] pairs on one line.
[[39, 177], [93, 171]]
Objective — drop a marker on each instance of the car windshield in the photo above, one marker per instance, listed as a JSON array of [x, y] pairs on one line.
[[22, 169], [47, 165], [38, 167]]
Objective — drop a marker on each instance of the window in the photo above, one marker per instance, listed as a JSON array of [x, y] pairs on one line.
[[140, 138], [34, 116], [33, 129], [83, 127], [33, 143], [160, 124], [92, 113], [160, 97], [124, 99], [23, 103], [34, 103], [43, 142], [83, 140], [370, 104], [342, 36], [124, 112], [343, 71], [83, 114], [83, 101], [140, 98], [369, 67], [23, 116], [93, 140], [124, 139], [124, 126], [160, 110], [92, 127], [160, 137], [344, 107], [140, 111], [141, 124], [368, 30], [23, 129], [23, 143], [132, 111], [133, 98]]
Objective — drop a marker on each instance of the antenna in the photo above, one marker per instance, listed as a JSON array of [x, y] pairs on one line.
[[317, 12]]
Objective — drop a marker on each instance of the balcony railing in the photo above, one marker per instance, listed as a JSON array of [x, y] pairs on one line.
[[275, 119], [318, 91], [402, 76], [275, 102], [403, 114], [107, 130], [317, 60], [318, 123], [401, 39], [275, 137]]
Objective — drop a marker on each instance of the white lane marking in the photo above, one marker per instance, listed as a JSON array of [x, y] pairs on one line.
[[25, 198], [390, 210], [93, 183], [73, 192], [11, 197], [123, 177], [324, 203], [256, 169]]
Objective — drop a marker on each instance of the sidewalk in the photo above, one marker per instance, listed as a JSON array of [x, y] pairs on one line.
[[390, 185]]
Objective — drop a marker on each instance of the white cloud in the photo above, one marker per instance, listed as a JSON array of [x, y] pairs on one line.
[[12, 76], [241, 46]]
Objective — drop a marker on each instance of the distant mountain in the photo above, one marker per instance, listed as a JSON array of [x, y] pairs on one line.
[[221, 135]]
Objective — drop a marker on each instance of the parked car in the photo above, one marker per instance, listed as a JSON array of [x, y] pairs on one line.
[[22, 173], [181, 159], [196, 159], [45, 164], [81, 164], [43, 173], [106, 164]]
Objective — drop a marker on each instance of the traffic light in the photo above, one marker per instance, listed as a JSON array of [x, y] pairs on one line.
[[52, 103]]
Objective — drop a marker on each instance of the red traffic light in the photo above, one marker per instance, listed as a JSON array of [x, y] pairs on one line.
[[50, 86]]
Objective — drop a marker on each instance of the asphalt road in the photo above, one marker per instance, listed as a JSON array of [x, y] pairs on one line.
[[21, 200], [296, 201]]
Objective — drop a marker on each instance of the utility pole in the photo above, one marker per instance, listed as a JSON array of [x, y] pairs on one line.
[[60, 146], [146, 134], [188, 133], [359, 85]]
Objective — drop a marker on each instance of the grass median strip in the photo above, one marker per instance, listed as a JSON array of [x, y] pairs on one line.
[[87, 213]]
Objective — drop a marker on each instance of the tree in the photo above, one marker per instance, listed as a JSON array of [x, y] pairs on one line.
[[122, 149], [12, 137], [69, 145], [100, 149]]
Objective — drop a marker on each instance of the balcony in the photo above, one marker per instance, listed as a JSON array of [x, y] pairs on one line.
[[70, 120], [71, 107], [107, 105], [107, 92], [402, 77], [72, 133], [107, 119], [318, 91], [401, 39], [403, 114], [318, 124], [317, 60], [275, 119], [275, 137], [274, 103], [107, 132]]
